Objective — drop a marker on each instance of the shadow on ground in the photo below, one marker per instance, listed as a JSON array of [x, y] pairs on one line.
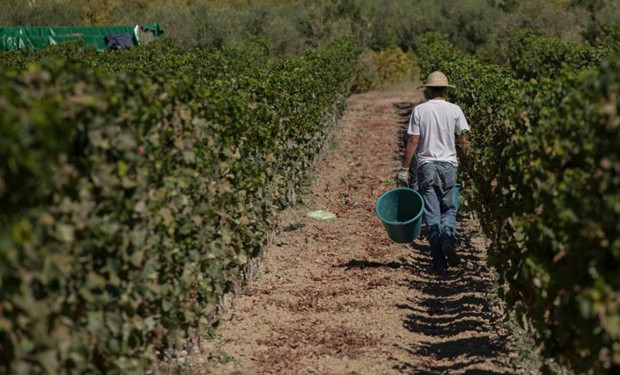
[[452, 313]]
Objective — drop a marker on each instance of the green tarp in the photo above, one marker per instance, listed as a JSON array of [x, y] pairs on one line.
[[19, 37]]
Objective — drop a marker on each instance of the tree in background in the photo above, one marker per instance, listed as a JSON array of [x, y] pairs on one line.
[[39, 12], [595, 9], [482, 27]]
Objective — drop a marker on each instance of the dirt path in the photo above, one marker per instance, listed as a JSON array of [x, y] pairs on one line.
[[340, 298]]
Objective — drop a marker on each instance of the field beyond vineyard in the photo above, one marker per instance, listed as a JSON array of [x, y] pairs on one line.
[[340, 298]]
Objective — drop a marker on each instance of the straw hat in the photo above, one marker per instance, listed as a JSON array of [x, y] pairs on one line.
[[437, 79]]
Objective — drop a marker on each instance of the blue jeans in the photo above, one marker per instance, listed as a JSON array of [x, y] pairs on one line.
[[436, 184]]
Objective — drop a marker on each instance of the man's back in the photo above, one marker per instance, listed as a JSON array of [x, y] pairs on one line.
[[437, 122]]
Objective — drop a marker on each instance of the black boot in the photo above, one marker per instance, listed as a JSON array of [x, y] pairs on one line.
[[439, 261]]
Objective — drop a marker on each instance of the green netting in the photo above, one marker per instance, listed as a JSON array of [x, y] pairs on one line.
[[155, 28], [37, 37]]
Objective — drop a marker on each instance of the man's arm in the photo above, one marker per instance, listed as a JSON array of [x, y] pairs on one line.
[[464, 143], [412, 147]]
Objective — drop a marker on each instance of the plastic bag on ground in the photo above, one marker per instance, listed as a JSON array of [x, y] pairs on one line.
[[321, 215]]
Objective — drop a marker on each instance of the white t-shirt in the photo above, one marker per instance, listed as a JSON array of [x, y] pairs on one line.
[[437, 122]]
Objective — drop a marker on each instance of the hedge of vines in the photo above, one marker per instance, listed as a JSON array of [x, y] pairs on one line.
[[544, 173], [135, 187], [533, 55]]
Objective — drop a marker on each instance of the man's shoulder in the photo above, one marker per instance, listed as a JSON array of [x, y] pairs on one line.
[[453, 108], [420, 106], [435, 103], [452, 105]]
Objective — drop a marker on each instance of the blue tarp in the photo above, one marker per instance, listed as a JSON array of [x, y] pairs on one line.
[[119, 41]]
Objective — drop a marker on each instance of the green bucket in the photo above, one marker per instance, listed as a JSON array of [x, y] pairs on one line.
[[457, 192], [400, 211]]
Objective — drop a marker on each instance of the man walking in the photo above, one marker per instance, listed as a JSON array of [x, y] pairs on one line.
[[433, 127]]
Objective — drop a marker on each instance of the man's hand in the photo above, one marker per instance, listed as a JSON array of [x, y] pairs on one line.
[[402, 178]]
